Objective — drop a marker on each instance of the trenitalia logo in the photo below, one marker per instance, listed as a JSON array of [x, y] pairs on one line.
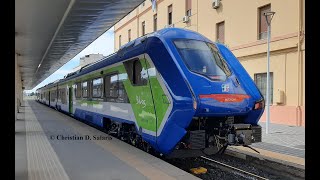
[[226, 97], [225, 88]]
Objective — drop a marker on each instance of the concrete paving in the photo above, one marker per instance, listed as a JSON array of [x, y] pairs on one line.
[[20, 148], [283, 144], [41, 154], [283, 139]]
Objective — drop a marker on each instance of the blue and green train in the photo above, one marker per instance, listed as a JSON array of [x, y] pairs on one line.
[[172, 91]]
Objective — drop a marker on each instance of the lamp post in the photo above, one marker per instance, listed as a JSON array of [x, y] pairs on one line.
[[268, 16]]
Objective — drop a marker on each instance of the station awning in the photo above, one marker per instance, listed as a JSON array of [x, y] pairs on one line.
[[51, 32]]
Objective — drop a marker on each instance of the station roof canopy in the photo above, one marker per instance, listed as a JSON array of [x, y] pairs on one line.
[[51, 32]]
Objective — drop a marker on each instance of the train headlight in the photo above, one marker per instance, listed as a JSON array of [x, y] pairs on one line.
[[195, 104], [259, 104]]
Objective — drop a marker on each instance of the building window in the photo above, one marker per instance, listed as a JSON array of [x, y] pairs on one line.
[[85, 89], [263, 26], [155, 18], [261, 81], [97, 88], [188, 7], [129, 35], [170, 14], [143, 25], [119, 41], [220, 32]]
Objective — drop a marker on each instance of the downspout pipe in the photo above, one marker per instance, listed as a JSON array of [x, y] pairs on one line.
[[300, 63]]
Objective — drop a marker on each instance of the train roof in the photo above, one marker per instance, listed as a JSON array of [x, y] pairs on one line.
[[52, 84], [166, 34]]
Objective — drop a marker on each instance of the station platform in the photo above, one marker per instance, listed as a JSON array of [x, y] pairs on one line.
[[48, 145], [283, 144]]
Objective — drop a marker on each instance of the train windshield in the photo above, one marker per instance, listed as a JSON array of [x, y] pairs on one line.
[[203, 58]]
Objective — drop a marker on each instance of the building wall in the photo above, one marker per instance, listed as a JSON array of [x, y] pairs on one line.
[[87, 59], [241, 19]]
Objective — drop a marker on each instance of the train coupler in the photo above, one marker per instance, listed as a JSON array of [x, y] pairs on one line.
[[240, 134]]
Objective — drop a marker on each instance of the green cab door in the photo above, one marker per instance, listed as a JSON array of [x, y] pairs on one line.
[[145, 94]]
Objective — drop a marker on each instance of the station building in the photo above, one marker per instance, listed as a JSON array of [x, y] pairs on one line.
[[242, 27], [88, 59]]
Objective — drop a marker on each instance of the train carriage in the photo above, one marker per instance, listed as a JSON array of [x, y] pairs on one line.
[[173, 91], [47, 96], [62, 98]]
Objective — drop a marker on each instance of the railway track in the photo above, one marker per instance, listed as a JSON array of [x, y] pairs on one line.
[[234, 170], [223, 167]]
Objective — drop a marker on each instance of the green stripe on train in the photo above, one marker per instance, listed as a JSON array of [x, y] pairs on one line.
[[140, 97]]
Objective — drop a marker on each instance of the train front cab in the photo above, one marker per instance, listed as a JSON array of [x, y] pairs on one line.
[[226, 103], [228, 108]]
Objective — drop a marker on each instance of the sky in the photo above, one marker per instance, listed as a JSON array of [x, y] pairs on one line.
[[102, 45]]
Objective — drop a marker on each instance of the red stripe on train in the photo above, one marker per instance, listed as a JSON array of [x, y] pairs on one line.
[[226, 97]]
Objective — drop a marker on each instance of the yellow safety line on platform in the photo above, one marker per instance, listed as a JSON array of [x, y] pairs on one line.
[[283, 157], [117, 148], [43, 162]]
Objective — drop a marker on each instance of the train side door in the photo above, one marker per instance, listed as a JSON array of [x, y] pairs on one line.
[[160, 95], [140, 96], [49, 97], [70, 100]]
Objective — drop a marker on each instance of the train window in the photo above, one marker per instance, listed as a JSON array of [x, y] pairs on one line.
[[122, 91], [137, 68], [85, 89], [59, 95], [97, 88], [137, 74], [77, 90], [89, 88], [65, 94], [62, 95], [114, 88], [53, 95], [111, 85], [114, 81], [107, 86], [203, 58]]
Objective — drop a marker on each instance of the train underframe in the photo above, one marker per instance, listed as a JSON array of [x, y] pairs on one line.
[[205, 136], [212, 135]]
